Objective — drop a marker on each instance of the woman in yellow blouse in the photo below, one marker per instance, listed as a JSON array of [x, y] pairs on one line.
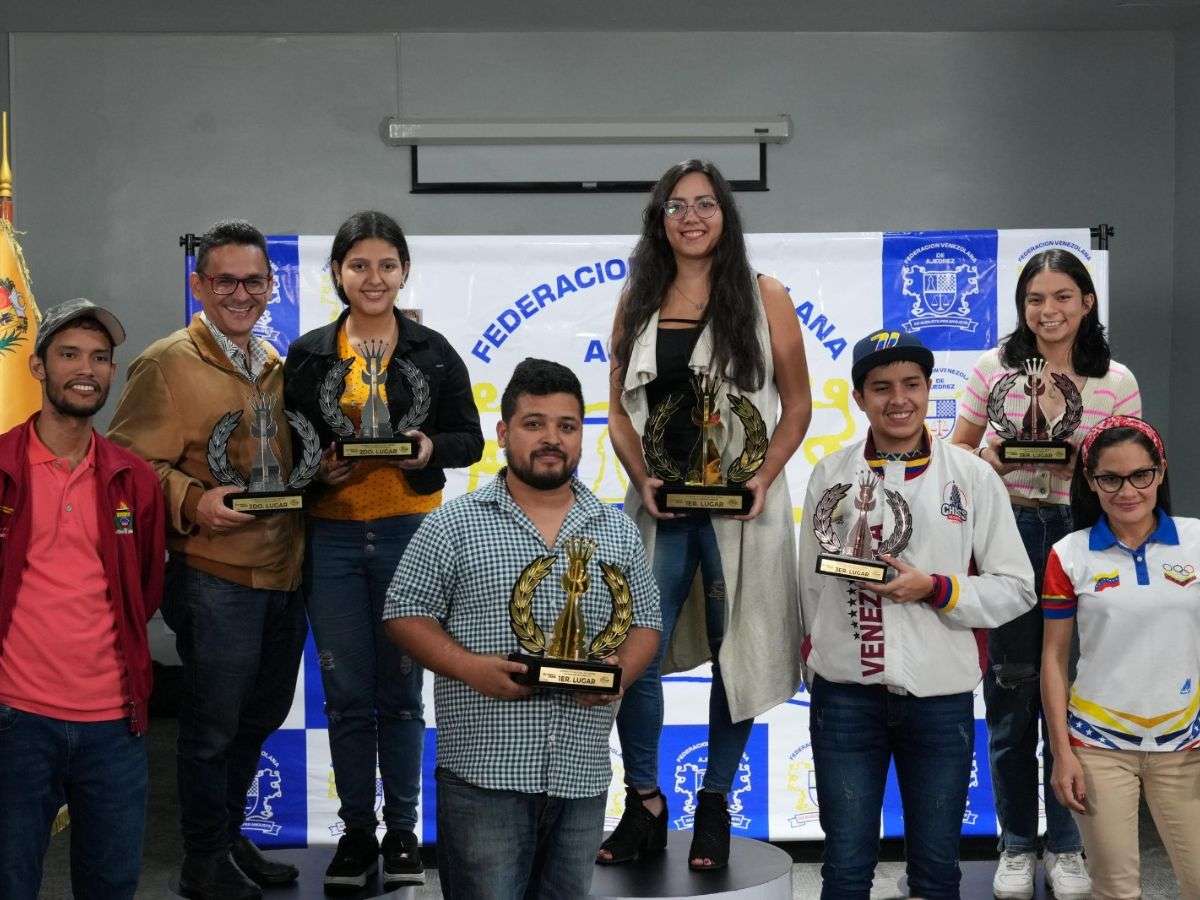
[[359, 524]]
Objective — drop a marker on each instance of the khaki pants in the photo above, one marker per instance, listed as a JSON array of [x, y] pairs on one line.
[[1115, 779]]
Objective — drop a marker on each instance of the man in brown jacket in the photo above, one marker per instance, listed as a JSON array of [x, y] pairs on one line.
[[232, 579]]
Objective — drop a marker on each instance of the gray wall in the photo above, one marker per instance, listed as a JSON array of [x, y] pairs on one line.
[[1185, 321], [127, 141]]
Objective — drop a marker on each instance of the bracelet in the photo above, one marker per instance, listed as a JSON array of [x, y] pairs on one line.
[[979, 451]]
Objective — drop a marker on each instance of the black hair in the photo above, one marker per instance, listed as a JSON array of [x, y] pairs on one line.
[[652, 268], [363, 226], [1090, 354], [539, 377], [224, 234], [1085, 504], [87, 323]]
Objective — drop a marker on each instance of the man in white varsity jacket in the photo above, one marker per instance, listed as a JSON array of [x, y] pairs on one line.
[[892, 667]]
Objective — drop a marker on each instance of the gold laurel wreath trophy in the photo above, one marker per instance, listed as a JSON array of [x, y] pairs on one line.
[[705, 488], [265, 491], [565, 664], [1034, 442], [376, 437], [856, 558]]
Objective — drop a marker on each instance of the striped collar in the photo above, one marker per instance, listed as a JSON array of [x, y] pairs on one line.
[[913, 467]]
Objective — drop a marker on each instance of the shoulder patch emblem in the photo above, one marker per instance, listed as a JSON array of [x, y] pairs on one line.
[[123, 519], [953, 507]]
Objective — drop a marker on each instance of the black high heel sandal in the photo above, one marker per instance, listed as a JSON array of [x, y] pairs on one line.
[[710, 833], [639, 833]]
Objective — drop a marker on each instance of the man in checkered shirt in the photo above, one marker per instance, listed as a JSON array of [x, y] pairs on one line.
[[523, 774]]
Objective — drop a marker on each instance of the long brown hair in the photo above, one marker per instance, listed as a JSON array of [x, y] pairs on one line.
[[732, 299]]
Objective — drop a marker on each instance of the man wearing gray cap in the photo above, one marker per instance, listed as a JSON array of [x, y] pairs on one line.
[[82, 539]]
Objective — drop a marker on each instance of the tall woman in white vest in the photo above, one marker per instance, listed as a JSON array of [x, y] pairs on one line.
[[693, 304]]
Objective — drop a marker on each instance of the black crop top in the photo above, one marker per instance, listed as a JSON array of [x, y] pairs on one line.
[[673, 350]]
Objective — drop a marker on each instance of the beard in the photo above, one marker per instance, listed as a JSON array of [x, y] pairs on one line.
[[542, 480], [68, 405]]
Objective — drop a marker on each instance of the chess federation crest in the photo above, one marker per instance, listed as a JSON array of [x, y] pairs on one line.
[[939, 278]]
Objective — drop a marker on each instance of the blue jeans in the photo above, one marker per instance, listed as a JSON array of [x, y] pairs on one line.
[[681, 545], [506, 845], [99, 770], [241, 650], [856, 729], [372, 689], [1012, 690]]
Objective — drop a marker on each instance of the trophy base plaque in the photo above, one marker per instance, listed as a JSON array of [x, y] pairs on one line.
[[722, 499], [852, 568], [263, 503], [377, 448], [1018, 451], [568, 674]]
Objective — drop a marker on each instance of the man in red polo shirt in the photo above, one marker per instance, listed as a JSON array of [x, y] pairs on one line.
[[82, 538]]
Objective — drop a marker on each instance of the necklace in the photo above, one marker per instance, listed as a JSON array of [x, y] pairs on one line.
[[355, 339], [699, 307]]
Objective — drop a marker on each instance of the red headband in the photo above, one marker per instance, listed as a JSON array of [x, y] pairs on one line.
[[1139, 425]]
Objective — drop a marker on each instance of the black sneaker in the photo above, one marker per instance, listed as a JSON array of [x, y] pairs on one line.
[[402, 859], [215, 877], [356, 860]]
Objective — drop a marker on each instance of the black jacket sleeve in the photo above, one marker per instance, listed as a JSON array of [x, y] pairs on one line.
[[457, 439]]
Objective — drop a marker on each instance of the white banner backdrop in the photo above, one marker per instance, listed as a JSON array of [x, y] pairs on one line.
[[499, 299]]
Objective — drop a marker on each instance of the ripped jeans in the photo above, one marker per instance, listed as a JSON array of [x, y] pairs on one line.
[[1012, 690], [372, 689], [856, 729], [680, 546]]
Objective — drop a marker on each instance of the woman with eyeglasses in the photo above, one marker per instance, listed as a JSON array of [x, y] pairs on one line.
[[1129, 724], [692, 304], [1058, 324], [359, 523]]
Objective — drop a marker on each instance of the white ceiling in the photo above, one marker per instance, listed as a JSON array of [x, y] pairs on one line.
[[593, 15]]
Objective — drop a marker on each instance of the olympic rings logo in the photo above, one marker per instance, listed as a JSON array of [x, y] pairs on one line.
[[1177, 569]]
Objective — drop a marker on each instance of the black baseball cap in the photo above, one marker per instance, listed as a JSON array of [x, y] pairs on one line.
[[879, 348], [56, 318]]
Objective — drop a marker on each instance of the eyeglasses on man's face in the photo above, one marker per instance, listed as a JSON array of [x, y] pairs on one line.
[[223, 285]]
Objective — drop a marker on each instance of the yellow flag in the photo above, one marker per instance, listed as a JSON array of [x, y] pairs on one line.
[[20, 392]]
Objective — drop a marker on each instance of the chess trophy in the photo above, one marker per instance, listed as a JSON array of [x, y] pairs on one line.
[[265, 491], [376, 437], [1035, 442], [565, 664], [855, 558], [699, 485]]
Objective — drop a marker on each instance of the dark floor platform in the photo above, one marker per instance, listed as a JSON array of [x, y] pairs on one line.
[[756, 870], [312, 862]]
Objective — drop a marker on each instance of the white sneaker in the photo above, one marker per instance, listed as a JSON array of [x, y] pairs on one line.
[[1014, 876], [1066, 876]]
